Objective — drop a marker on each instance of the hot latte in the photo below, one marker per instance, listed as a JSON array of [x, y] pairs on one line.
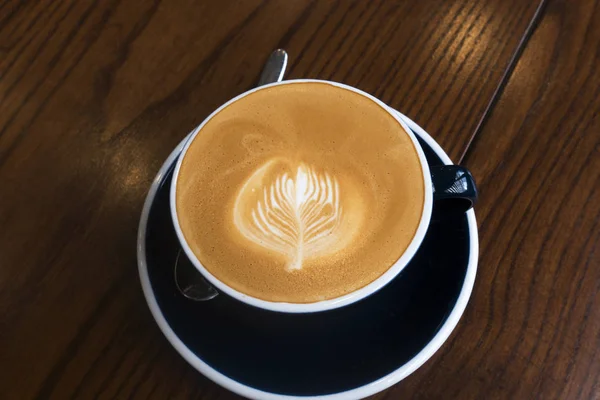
[[300, 192]]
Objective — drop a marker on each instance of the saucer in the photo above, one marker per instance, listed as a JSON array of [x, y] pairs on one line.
[[345, 353]]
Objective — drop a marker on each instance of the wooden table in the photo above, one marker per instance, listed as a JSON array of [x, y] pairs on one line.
[[95, 94]]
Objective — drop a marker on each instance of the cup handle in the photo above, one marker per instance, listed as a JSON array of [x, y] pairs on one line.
[[454, 188]]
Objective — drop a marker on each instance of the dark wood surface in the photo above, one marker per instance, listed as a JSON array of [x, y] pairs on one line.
[[534, 324], [94, 95]]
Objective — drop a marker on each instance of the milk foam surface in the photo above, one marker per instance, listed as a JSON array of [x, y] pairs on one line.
[[300, 193]]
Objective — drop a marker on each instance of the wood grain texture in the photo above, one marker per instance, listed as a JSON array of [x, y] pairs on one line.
[[532, 328], [95, 94]]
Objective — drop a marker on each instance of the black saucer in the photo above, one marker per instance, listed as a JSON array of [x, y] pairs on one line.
[[362, 348]]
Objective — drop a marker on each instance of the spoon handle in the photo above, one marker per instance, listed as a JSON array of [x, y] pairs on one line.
[[274, 68]]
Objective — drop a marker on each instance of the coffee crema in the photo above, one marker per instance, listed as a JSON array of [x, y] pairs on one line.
[[300, 192]]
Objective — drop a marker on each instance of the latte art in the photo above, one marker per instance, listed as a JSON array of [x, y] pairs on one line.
[[297, 215]]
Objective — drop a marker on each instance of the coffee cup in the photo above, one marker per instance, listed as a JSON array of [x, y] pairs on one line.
[[307, 195]]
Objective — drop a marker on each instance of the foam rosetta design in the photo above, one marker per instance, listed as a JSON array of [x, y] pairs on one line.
[[295, 212]]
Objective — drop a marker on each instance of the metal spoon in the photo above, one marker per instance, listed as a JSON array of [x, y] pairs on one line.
[[274, 68], [190, 282], [188, 279]]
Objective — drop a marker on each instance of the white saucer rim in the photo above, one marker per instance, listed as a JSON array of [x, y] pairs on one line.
[[363, 391]]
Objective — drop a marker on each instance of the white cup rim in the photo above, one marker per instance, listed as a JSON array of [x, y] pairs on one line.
[[322, 305]]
